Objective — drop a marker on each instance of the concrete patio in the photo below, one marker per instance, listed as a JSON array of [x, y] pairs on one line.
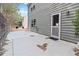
[[22, 43]]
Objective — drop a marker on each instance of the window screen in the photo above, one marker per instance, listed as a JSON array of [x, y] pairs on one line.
[[55, 19]]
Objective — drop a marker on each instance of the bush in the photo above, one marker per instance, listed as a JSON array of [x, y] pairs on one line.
[[76, 22]]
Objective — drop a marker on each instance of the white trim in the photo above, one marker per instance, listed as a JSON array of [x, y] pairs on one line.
[[51, 26], [59, 27]]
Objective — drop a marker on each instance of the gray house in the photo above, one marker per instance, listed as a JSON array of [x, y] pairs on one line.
[[53, 20]]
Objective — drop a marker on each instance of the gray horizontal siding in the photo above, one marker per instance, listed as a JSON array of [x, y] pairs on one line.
[[67, 27], [43, 15], [71, 38]]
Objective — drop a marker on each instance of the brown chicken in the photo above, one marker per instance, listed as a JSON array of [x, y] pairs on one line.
[[43, 46], [76, 50]]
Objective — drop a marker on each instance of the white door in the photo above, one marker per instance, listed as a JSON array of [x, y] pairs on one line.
[[55, 25]]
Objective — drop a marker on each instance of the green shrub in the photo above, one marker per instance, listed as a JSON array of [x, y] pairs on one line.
[[76, 22]]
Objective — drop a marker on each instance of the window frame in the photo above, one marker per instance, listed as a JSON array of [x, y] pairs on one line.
[[55, 21]]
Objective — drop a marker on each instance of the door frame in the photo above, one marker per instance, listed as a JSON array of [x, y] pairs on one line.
[[59, 34]]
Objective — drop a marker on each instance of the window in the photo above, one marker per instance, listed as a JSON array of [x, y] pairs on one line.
[[33, 23], [32, 8], [55, 20]]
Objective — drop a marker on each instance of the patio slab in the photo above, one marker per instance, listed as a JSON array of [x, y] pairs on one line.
[[22, 43]]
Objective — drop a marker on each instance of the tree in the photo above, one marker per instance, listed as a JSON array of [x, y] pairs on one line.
[[9, 15], [10, 11]]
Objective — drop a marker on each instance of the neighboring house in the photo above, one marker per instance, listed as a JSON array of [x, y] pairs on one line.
[[25, 22], [53, 20]]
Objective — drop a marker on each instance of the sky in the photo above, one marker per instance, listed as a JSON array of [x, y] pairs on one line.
[[23, 9]]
